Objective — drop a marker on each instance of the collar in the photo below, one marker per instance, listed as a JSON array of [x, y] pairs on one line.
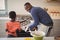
[[30, 9]]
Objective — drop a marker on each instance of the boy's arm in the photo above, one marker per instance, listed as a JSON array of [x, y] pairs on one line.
[[22, 21], [19, 27], [6, 27]]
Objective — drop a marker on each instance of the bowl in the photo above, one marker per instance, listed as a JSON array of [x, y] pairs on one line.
[[38, 35]]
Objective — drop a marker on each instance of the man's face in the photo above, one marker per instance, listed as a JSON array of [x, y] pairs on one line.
[[27, 7]]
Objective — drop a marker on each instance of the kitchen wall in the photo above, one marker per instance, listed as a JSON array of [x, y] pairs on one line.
[[54, 11], [3, 8], [2, 5], [3, 21], [18, 5]]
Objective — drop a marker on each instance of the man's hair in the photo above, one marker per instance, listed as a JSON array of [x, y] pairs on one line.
[[12, 14], [27, 3]]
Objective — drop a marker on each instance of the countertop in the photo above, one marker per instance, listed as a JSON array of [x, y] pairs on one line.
[[45, 38]]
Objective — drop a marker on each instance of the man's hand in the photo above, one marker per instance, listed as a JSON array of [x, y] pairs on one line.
[[34, 28]]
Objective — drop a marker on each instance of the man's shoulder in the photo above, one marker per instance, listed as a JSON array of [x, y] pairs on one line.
[[36, 8]]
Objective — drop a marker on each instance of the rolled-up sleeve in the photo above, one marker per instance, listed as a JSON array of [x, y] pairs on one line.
[[35, 18]]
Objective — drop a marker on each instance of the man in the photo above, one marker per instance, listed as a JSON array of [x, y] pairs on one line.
[[39, 15]]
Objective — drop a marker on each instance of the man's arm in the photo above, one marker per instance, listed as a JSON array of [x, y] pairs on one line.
[[35, 18]]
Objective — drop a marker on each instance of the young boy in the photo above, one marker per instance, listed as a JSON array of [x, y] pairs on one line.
[[12, 25]]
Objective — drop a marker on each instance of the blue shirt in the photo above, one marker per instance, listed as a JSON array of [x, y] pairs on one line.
[[40, 16]]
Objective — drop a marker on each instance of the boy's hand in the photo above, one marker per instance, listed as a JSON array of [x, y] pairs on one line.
[[6, 30]]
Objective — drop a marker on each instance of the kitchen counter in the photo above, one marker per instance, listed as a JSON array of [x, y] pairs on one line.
[[45, 38]]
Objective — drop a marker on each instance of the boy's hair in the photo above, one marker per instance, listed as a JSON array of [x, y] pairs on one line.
[[12, 14], [27, 3]]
